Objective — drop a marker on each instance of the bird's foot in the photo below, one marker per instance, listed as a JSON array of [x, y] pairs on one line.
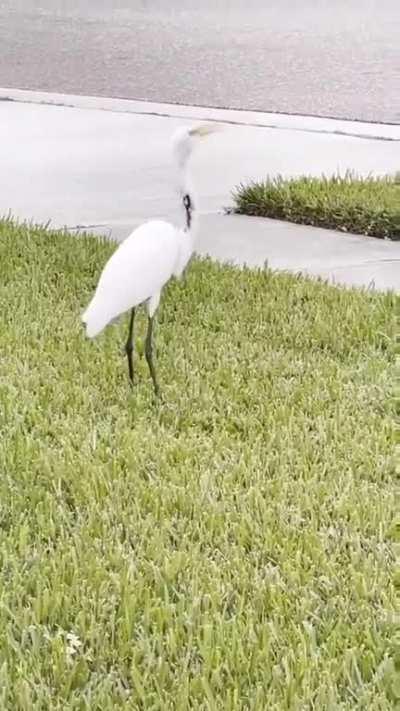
[[157, 395], [132, 378]]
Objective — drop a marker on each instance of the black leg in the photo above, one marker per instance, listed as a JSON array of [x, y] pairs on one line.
[[149, 355], [129, 346]]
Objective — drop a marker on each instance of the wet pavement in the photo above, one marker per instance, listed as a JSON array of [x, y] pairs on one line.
[[331, 58]]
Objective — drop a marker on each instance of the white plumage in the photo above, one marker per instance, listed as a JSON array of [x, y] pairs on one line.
[[137, 271], [142, 264]]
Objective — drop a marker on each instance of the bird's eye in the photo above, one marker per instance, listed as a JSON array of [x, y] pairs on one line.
[[187, 202]]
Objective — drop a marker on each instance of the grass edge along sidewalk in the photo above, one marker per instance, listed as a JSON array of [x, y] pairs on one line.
[[368, 206], [227, 548]]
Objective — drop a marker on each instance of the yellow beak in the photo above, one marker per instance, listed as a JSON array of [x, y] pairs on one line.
[[204, 129]]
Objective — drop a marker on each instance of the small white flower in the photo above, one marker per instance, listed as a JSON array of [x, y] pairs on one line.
[[73, 644]]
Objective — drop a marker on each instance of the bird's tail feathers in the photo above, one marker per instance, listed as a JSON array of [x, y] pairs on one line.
[[94, 321]]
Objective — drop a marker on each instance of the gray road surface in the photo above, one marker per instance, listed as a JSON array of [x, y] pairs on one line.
[[324, 57]]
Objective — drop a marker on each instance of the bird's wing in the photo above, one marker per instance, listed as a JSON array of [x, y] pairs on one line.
[[139, 268]]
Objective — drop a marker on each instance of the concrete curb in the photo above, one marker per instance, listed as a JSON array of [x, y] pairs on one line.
[[283, 122]]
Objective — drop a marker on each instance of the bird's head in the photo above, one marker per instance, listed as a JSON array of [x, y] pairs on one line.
[[186, 138]]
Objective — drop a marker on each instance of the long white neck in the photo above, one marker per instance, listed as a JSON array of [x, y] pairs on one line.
[[188, 202], [188, 213], [183, 143]]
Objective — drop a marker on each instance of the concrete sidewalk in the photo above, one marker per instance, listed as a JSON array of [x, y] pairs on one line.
[[107, 167]]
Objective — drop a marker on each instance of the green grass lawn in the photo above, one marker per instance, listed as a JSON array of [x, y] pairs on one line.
[[369, 206], [228, 548]]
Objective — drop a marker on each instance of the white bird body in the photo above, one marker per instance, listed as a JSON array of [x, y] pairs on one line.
[[137, 272], [153, 253]]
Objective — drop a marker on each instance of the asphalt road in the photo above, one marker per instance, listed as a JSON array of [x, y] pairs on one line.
[[324, 57]]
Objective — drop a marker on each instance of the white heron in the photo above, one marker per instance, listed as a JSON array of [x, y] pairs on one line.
[[153, 253]]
